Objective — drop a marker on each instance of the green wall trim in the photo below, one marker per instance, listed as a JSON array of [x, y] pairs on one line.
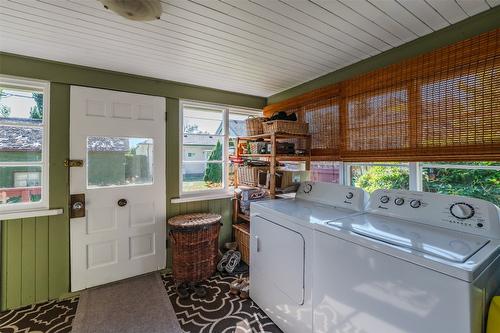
[[470, 27], [18, 65]]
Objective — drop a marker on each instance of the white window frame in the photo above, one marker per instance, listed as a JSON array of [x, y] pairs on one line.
[[225, 191], [27, 84]]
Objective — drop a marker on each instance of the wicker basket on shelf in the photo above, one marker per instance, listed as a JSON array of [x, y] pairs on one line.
[[194, 239], [254, 125], [242, 238], [285, 126], [249, 175]]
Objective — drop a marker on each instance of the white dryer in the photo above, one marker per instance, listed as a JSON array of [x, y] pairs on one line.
[[281, 249], [414, 262]]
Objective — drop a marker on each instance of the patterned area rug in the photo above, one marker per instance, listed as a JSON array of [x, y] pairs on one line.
[[218, 312], [48, 317]]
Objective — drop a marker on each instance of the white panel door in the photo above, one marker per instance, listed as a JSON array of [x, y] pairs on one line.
[[121, 139]]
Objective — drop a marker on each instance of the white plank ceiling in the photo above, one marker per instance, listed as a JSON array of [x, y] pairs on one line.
[[257, 47]]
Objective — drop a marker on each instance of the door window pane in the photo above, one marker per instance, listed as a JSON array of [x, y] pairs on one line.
[[476, 183], [371, 177], [199, 176], [117, 161], [20, 184]]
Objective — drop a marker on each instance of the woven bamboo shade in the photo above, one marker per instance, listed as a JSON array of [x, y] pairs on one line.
[[442, 105], [321, 111], [438, 106]]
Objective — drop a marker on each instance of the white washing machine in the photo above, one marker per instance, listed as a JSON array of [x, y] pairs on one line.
[[281, 249], [414, 262]]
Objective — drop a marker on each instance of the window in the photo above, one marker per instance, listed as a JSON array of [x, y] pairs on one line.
[[115, 161], [27, 179], [473, 179], [208, 133], [373, 176], [24, 115], [326, 172]]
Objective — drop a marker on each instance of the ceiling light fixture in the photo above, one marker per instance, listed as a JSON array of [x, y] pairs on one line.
[[137, 10]]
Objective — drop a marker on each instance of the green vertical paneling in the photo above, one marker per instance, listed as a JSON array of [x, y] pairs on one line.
[[28, 274], [58, 226], [42, 259], [13, 247]]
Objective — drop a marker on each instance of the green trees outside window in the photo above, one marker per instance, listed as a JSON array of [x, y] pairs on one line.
[[213, 171], [472, 182]]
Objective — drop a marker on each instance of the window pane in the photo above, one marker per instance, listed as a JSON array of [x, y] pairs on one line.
[[21, 105], [202, 148], [374, 177], [482, 184], [237, 125], [20, 144], [203, 121], [202, 176], [20, 184], [327, 172], [115, 161]]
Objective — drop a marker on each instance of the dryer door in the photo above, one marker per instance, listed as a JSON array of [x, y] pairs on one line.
[[277, 256]]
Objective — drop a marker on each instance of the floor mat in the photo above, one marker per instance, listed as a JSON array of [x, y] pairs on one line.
[[138, 304], [48, 317], [219, 311]]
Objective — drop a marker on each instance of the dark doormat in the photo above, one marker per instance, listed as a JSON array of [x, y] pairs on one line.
[[219, 311]]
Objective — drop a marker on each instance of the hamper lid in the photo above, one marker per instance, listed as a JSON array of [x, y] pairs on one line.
[[194, 220]]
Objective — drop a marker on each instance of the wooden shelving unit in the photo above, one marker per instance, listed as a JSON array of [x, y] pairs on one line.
[[273, 157]]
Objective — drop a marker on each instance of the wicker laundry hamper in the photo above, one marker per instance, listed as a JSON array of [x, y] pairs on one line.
[[194, 239]]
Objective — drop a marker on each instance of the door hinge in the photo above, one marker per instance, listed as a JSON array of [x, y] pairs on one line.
[[73, 163]]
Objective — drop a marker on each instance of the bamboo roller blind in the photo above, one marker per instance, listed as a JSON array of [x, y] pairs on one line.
[[442, 105]]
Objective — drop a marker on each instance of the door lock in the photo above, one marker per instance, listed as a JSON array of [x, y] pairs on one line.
[[77, 205], [122, 202]]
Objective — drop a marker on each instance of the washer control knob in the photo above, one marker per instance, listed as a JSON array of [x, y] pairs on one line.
[[462, 210], [399, 201], [349, 195], [384, 199], [415, 203]]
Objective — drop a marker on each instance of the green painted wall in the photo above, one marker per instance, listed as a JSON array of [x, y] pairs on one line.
[[470, 27], [35, 251]]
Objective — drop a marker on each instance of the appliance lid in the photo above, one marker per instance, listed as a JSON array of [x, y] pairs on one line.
[[305, 211], [437, 242]]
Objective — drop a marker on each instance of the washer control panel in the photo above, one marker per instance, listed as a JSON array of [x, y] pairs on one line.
[[449, 211], [333, 194]]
